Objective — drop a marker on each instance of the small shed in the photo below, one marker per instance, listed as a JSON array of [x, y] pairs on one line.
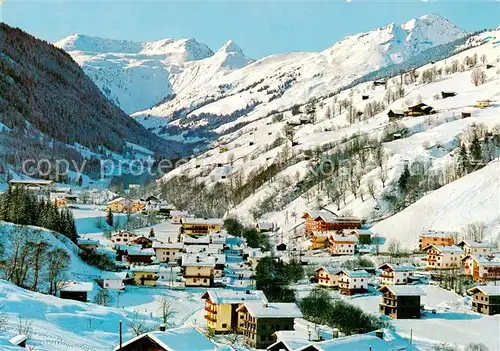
[[365, 97], [447, 94], [75, 290], [482, 103], [395, 114], [466, 114], [281, 247], [488, 66]]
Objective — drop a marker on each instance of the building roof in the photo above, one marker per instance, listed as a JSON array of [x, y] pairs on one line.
[[490, 290], [76, 286], [32, 181], [188, 239], [123, 232], [403, 290], [160, 245], [355, 274], [271, 310], [329, 270], [322, 234], [485, 261], [330, 217], [438, 234], [344, 238], [198, 261], [475, 244], [397, 267], [265, 225], [350, 343], [179, 213], [140, 252], [114, 275], [118, 199], [206, 221], [225, 296], [87, 242], [185, 339], [445, 249]]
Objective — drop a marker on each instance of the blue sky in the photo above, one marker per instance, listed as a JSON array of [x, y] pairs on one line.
[[260, 27]]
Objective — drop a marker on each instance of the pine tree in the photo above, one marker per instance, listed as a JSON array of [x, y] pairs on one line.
[[403, 179], [463, 160], [475, 151], [151, 233], [109, 218]]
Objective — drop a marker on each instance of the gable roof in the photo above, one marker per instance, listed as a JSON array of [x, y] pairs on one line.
[[329, 270], [225, 296], [475, 244], [114, 275], [437, 234], [185, 339], [344, 238], [444, 249], [160, 245], [355, 274], [403, 290], [397, 268], [271, 310], [489, 290], [76, 286]]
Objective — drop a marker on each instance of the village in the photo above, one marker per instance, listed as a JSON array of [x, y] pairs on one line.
[[337, 255]]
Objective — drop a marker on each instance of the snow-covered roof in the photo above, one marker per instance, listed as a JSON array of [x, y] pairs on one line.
[[32, 181], [140, 252], [87, 242], [18, 339], [198, 261], [185, 339], [403, 290], [145, 269], [205, 221], [76, 286], [114, 275], [265, 225], [226, 296], [445, 249], [355, 274], [188, 239], [271, 310], [329, 270], [178, 213], [322, 234], [486, 261], [118, 199], [397, 267], [344, 238], [160, 245], [438, 234], [121, 232], [475, 244], [490, 290]]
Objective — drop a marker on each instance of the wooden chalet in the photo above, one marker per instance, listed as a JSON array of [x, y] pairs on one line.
[[144, 242], [324, 221], [486, 299], [433, 237], [75, 290], [400, 301], [482, 267], [443, 257], [353, 282], [420, 109], [395, 114], [393, 274], [328, 276], [447, 94]]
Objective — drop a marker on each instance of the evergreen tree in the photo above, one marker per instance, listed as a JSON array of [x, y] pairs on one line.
[[475, 151], [403, 179], [151, 233], [109, 218], [463, 160]]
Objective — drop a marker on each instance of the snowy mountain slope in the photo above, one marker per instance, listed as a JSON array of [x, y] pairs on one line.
[[256, 146], [475, 197], [279, 81], [137, 75]]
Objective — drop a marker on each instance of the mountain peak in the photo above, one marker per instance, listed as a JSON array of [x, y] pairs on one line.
[[231, 46]]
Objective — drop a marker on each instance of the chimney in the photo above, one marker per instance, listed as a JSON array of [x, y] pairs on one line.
[[162, 327], [335, 333], [379, 334]]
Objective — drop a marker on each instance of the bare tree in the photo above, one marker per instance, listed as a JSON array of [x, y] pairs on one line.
[[484, 59], [394, 247], [57, 264], [138, 324], [166, 308], [478, 76], [371, 188], [383, 176], [474, 231], [24, 327]]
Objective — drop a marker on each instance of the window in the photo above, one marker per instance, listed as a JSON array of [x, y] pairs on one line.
[[224, 325]]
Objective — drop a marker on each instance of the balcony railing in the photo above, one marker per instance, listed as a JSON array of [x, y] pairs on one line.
[[211, 319]]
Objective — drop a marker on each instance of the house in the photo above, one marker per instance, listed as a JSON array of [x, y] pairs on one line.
[[319, 240], [262, 320], [142, 256], [400, 301], [447, 94], [120, 204], [184, 338], [144, 242], [200, 226], [393, 274], [255, 255], [114, 280], [189, 240], [123, 237], [263, 227], [328, 276], [486, 299], [221, 306], [420, 109], [33, 184], [482, 103], [145, 275], [87, 245], [466, 114], [75, 290], [443, 257], [324, 221], [281, 247], [364, 235], [471, 247], [121, 249], [433, 237], [168, 252], [60, 202], [342, 244], [198, 270], [482, 267], [19, 340], [353, 282], [176, 217], [395, 114]]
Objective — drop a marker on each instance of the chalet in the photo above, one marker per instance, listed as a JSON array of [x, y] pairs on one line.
[[121, 249], [87, 245], [255, 255], [120, 204], [75, 290], [393, 274], [33, 184], [482, 267], [200, 226], [219, 237], [184, 338], [168, 252], [364, 236], [319, 240], [353, 282], [281, 247], [442, 257], [145, 275], [198, 270], [440, 238], [60, 202], [138, 256], [471, 247], [114, 280], [263, 227], [123, 237], [342, 244], [221, 306], [328, 276], [420, 109], [178, 216], [447, 94], [144, 242], [486, 299], [482, 103], [400, 302], [323, 221], [262, 320], [395, 114]]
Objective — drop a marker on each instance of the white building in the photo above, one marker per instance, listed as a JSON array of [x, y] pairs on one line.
[[471, 247], [328, 276], [342, 244], [393, 274], [443, 257], [122, 237], [178, 216], [353, 282], [114, 280]]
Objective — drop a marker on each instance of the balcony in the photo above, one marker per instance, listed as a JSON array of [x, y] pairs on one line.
[[210, 310], [211, 319], [387, 275]]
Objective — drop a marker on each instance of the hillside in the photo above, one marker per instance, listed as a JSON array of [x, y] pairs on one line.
[[138, 75], [277, 82], [50, 109], [276, 167]]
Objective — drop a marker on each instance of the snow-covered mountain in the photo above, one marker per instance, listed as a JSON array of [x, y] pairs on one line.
[[279, 81], [137, 75]]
